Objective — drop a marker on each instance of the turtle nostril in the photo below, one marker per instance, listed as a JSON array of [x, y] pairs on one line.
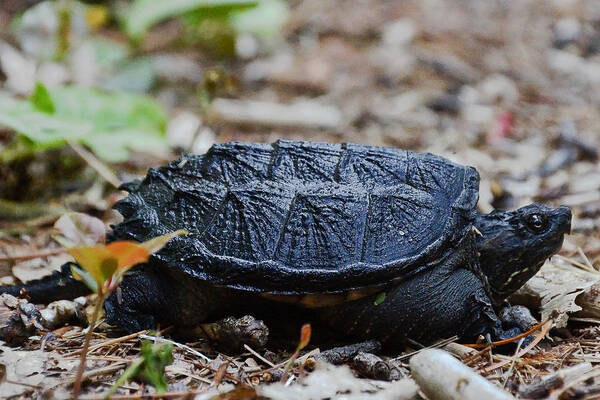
[[564, 213]]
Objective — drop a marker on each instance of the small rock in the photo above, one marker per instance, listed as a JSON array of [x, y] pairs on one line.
[[246, 46], [343, 354], [371, 366], [498, 89], [61, 312], [233, 333], [173, 67], [182, 129], [204, 140], [564, 62], [19, 70], [84, 66], [446, 102], [52, 74], [398, 33], [478, 114], [565, 31]]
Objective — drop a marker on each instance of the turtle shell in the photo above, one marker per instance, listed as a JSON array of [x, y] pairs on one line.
[[302, 217]]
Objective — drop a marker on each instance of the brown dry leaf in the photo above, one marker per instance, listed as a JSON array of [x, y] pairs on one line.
[[29, 270], [554, 289], [30, 368], [241, 392], [78, 229]]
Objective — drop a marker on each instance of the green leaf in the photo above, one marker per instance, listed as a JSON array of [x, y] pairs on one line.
[[265, 20], [86, 277], [379, 299], [150, 367], [111, 124], [40, 98], [145, 13]]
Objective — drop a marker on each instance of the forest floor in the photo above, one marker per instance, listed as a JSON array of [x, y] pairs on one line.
[[511, 88]]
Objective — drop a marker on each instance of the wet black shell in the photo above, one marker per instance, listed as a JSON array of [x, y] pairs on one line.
[[302, 217]]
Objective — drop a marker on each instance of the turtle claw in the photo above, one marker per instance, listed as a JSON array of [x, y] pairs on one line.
[[504, 334], [517, 316]]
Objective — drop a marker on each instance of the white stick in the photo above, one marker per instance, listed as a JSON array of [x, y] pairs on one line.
[[442, 377]]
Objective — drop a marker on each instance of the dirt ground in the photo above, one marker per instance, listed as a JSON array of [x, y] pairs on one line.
[[511, 88]]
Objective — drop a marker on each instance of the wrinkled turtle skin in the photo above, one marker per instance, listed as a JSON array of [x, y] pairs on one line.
[[329, 226]]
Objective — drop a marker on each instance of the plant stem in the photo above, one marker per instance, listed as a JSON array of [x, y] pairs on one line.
[[86, 344]]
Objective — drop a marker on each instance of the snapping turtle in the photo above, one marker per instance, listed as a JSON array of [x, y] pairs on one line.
[[383, 243]]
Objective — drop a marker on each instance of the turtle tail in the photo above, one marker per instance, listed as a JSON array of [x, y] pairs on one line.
[[57, 286]]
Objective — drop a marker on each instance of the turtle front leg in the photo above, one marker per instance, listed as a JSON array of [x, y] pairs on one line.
[[434, 304], [149, 297]]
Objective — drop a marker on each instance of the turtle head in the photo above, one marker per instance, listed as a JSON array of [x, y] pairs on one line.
[[513, 245]]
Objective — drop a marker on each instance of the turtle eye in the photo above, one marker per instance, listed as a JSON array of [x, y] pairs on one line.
[[537, 222]]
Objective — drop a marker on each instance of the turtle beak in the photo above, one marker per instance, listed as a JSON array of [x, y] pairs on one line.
[[563, 215]]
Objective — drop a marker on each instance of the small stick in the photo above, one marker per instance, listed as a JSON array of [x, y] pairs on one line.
[[539, 337], [108, 343], [95, 163], [585, 259], [30, 256], [439, 344], [85, 348], [575, 263], [179, 345], [269, 363], [509, 340]]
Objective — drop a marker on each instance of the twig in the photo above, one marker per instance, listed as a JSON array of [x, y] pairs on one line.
[[509, 340], [84, 349], [545, 329], [108, 343], [185, 373], [179, 345], [441, 343], [109, 368], [575, 263], [95, 163], [30, 256], [512, 364], [269, 363], [585, 259]]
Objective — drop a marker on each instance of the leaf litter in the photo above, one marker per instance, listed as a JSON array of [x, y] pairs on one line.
[[503, 87]]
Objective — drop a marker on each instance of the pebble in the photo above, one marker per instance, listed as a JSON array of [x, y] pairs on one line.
[[498, 89], [182, 128], [565, 31], [398, 33]]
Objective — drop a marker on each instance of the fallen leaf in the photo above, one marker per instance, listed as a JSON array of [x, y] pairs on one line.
[[554, 289], [241, 392], [78, 229]]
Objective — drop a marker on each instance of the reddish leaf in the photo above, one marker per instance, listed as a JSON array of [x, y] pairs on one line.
[[105, 265], [128, 254], [304, 336], [93, 259]]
